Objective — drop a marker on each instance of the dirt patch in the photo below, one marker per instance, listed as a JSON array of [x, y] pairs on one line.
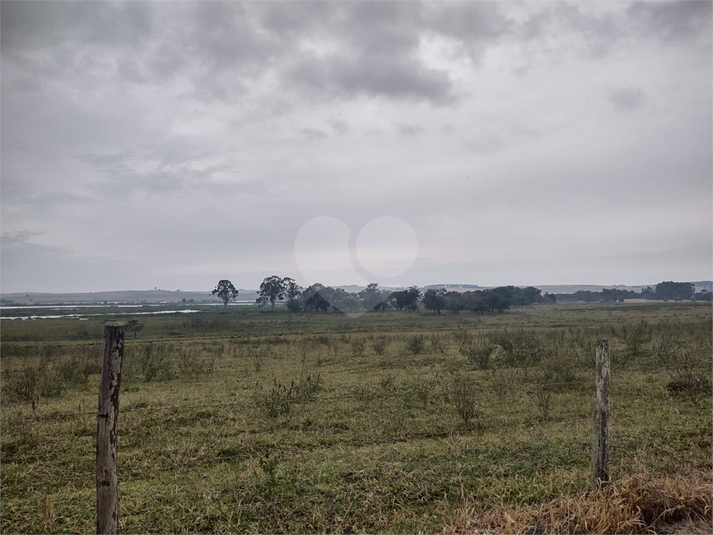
[[687, 527]]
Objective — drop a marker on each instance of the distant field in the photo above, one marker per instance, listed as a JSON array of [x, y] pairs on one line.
[[249, 421]]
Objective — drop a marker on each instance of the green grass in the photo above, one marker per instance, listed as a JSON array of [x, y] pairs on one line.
[[367, 436]]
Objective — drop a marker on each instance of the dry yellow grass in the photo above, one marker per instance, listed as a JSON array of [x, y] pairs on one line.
[[639, 504]]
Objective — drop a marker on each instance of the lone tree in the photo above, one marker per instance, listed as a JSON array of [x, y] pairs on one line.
[[134, 325], [292, 291], [226, 291], [271, 289]]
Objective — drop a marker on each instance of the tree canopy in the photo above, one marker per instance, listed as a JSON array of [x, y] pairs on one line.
[[226, 291], [273, 288]]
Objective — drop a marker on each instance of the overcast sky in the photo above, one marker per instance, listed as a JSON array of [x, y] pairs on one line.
[[172, 144]]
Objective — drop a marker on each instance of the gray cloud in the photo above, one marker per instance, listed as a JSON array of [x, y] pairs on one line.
[[474, 25], [409, 130], [313, 133], [203, 135], [627, 99], [673, 20], [339, 127], [345, 77], [14, 239]]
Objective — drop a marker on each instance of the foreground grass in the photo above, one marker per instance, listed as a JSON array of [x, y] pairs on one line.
[[328, 424], [662, 504]]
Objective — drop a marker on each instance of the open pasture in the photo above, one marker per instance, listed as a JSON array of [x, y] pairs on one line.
[[249, 421]]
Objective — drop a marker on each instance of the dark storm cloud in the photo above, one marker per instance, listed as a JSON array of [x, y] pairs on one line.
[[288, 20], [30, 26], [373, 46], [373, 76], [535, 25], [474, 25], [225, 36], [379, 45], [673, 20]]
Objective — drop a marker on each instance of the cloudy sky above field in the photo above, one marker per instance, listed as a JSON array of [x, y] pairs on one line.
[[172, 144]]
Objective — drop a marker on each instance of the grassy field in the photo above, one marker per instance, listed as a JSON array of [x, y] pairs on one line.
[[248, 421]]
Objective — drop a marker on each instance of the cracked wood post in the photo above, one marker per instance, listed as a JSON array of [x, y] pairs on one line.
[[600, 449], [107, 482]]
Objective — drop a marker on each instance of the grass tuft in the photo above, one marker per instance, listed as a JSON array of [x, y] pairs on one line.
[[639, 504]]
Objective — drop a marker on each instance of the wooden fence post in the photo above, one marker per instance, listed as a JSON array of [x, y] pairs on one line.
[[107, 482], [600, 449]]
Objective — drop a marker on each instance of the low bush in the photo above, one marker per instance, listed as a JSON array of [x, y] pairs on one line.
[[463, 395], [416, 344]]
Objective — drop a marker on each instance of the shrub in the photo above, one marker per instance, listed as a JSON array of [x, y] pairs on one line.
[[323, 339], [387, 383], [634, 335], [463, 337], [419, 390], [358, 347], [190, 363], [274, 402], [477, 355], [520, 347], [306, 388], [463, 395], [279, 399], [437, 343], [78, 368], [380, 345], [22, 384], [687, 357], [150, 362], [416, 344]]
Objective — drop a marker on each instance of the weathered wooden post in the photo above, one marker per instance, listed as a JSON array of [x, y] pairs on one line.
[[600, 449], [107, 482]]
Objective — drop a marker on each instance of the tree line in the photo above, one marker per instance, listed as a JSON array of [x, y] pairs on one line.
[[663, 291], [321, 298]]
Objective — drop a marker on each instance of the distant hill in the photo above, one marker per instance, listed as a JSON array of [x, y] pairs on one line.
[[703, 285], [573, 288], [456, 287], [121, 296], [177, 296]]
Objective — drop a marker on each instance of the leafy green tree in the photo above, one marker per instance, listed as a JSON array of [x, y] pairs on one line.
[[531, 295], [406, 298], [313, 300], [292, 292], [434, 300], [678, 291], [497, 299], [373, 298], [457, 301], [273, 288], [226, 291]]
